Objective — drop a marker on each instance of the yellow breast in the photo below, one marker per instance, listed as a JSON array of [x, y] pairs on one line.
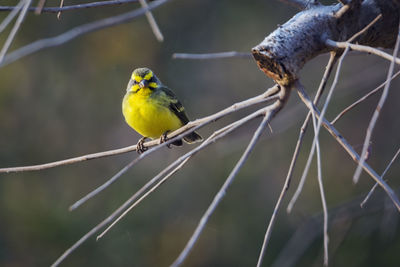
[[148, 116]]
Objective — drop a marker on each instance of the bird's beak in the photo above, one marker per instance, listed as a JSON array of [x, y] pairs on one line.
[[144, 83]]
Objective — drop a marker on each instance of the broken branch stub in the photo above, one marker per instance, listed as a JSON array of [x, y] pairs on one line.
[[284, 52]]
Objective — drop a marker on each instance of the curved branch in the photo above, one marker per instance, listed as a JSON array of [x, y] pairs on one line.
[[191, 126]]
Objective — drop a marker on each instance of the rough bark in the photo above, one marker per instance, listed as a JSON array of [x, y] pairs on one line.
[[285, 51]]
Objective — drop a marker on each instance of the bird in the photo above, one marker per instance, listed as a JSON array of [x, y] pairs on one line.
[[153, 110]]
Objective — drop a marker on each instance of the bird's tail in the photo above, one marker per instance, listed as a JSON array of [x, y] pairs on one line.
[[192, 138]]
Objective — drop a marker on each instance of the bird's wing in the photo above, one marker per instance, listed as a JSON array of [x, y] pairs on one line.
[[175, 105]]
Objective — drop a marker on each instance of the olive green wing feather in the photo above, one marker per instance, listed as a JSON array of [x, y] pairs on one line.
[[177, 108], [175, 105]]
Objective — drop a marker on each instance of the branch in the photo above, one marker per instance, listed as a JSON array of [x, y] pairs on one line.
[[283, 53], [383, 174], [269, 95], [365, 97], [78, 31], [363, 48], [73, 7], [152, 21], [349, 149], [321, 189], [211, 55]]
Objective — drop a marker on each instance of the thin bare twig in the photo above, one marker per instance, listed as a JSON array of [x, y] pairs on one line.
[[269, 95], [78, 31], [349, 149], [39, 7], [378, 109], [363, 48], [322, 193], [73, 7], [286, 185], [365, 28], [105, 185], [211, 55], [383, 175], [59, 12], [14, 30], [152, 21], [365, 97], [11, 16]]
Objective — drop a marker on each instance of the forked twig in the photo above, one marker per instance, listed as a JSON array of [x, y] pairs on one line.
[[363, 48], [349, 149], [365, 97], [152, 21], [378, 109]]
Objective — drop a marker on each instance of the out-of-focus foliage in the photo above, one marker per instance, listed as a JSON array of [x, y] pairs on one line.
[[66, 101]]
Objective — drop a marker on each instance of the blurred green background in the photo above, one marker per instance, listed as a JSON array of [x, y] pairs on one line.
[[66, 101]]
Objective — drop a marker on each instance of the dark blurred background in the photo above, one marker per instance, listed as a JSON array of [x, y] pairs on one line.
[[66, 101]]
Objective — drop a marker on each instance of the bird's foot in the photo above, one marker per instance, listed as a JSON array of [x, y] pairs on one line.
[[164, 139], [140, 148]]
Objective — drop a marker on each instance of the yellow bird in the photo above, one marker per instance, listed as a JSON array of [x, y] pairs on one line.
[[153, 110]]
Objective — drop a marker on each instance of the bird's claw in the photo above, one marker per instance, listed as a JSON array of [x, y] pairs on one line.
[[140, 148], [164, 138]]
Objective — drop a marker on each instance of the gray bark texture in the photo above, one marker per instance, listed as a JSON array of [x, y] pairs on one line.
[[285, 51]]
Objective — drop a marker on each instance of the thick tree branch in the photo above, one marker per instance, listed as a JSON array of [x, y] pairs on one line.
[[285, 51]]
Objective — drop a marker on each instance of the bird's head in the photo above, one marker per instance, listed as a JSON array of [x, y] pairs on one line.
[[143, 78]]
